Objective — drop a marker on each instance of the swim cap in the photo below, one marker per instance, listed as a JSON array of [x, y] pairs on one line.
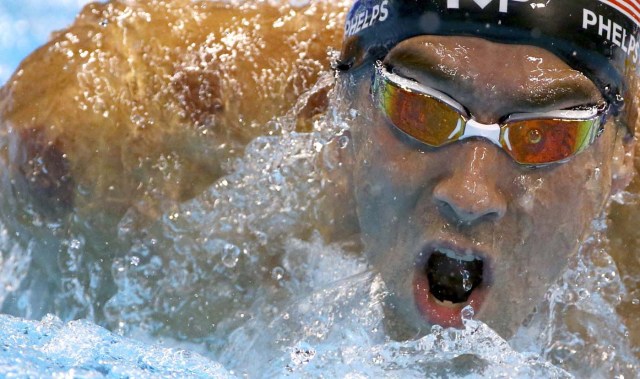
[[600, 38]]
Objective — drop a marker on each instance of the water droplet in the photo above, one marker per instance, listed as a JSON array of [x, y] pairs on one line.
[[262, 238], [467, 312], [466, 283], [277, 273], [343, 141], [609, 275], [75, 244], [302, 355], [135, 260], [118, 265], [230, 255], [583, 293], [534, 136]]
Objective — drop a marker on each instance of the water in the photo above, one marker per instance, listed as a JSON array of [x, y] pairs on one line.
[[81, 349], [244, 279]]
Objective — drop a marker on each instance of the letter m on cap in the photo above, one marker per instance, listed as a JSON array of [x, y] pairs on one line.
[[504, 4]]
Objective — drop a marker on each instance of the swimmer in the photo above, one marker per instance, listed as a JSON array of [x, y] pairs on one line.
[[448, 219], [487, 140]]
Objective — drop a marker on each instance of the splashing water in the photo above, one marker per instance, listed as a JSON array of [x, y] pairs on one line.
[[577, 326], [82, 349], [191, 281], [220, 278]]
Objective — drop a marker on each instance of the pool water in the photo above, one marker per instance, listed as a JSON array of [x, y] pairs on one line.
[[239, 281]]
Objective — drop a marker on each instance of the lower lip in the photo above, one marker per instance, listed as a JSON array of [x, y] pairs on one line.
[[437, 313]]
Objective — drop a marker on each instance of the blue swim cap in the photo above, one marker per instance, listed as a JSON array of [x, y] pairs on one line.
[[600, 38]]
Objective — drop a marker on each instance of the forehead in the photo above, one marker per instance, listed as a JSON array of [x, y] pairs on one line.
[[491, 78]]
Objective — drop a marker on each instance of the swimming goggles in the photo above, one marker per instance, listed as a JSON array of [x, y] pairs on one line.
[[436, 119]]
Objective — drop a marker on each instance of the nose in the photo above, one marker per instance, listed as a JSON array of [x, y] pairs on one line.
[[470, 193]]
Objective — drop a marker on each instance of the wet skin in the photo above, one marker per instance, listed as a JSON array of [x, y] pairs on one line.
[[469, 198]]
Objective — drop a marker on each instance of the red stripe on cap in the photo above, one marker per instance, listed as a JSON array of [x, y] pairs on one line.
[[630, 8], [629, 5]]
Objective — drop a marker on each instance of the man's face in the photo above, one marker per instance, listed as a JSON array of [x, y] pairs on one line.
[[466, 216]]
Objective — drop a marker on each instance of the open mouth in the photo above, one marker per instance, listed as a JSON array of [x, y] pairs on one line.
[[448, 282], [452, 278]]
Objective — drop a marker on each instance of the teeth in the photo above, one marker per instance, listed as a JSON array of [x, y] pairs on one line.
[[469, 257]]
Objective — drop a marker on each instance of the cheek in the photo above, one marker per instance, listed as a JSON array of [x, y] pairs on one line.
[[556, 209], [376, 179], [389, 178], [390, 175]]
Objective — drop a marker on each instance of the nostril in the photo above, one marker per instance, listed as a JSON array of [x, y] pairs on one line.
[[446, 210], [457, 215], [457, 206], [493, 215]]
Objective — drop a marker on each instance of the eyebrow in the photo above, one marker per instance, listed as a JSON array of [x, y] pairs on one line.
[[588, 111]]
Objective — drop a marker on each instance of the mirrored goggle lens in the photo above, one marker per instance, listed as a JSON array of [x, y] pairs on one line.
[[419, 115], [432, 121], [548, 140]]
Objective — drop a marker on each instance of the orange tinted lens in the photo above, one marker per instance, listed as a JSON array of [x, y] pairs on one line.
[[423, 117], [547, 141]]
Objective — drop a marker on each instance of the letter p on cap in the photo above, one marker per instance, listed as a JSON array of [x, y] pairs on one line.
[[588, 18]]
